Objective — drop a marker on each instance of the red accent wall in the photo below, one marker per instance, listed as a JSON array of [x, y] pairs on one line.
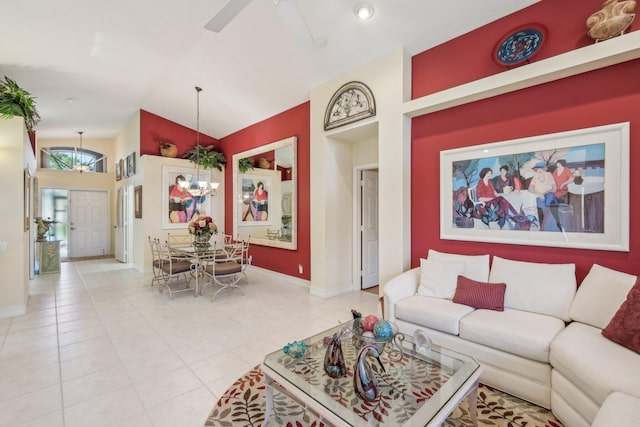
[[293, 122], [469, 57], [600, 97], [155, 129]]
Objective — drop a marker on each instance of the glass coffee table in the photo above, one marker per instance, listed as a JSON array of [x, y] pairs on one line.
[[419, 386]]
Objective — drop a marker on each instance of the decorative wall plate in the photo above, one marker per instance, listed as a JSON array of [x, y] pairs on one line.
[[353, 101], [519, 45]]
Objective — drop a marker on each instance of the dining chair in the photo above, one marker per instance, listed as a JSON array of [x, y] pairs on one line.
[[177, 272], [224, 273], [241, 254], [156, 263], [174, 240]]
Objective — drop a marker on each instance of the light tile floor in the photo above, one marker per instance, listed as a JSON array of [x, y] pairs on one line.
[[100, 347]]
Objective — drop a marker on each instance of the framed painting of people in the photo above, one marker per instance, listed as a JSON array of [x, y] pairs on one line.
[[254, 204], [567, 189], [178, 205]]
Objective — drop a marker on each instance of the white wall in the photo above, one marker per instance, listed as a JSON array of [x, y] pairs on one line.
[[15, 156], [332, 170]]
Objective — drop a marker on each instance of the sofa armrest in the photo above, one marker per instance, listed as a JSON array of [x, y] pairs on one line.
[[401, 286]]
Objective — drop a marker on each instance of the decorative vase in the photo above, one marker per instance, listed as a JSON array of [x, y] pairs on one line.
[[168, 149], [264, 163], [334, 364], [364, 379], [201, 241]]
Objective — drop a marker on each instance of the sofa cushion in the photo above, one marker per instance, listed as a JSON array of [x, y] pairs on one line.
[[434, 313], [535, 287], [517, 332], [619, 409], [476, 294], [438, 278], [624, 328], [476, 267], [594, 364], [600, 295]]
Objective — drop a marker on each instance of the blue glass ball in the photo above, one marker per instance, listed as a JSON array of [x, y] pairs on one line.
[[383, 329]]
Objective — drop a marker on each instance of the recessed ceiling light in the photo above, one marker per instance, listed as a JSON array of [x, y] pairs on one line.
[[363, 11]]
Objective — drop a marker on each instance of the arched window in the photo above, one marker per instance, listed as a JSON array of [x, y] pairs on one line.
[[72, 159]]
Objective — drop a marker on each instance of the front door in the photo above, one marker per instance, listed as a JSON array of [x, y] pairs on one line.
[[88, 223]]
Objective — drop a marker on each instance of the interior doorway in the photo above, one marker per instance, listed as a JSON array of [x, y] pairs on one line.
[[367, 272]]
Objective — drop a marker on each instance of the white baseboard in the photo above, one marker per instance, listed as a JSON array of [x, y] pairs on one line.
[[13, 311], [279, 276], [328, 293]]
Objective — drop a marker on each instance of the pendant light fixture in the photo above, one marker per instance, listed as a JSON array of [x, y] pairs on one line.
[[77, 164], [198, 187]]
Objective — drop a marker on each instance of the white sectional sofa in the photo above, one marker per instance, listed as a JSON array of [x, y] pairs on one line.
[[546, 346]]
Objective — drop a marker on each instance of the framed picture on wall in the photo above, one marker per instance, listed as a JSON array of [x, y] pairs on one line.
[[254, 209], [567, 189], [118, 171], [178, 206], [131, 164], [123, 168], [27, 199], [137, 201]]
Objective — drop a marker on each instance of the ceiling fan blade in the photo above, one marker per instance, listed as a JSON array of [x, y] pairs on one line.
[[293, 21], [226, 15]]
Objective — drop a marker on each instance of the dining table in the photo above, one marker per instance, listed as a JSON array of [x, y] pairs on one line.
[[199, 256]]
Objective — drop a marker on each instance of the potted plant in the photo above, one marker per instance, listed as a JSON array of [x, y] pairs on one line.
[[245, 164], [206, 157], [15, 101]]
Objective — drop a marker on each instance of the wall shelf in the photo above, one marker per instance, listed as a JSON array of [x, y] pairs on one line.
[[589, 58]]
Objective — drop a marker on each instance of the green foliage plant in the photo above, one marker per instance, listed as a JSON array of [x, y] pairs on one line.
[[15, 101], [245, 164], [206, 157]]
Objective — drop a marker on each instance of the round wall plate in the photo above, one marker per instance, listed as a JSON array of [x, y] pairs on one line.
[[519, 45]]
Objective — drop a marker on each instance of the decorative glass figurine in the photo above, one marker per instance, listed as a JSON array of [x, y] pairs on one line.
[[334, 364], [364, 379]]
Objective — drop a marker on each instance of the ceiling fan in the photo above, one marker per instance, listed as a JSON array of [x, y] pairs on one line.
[[286, 8]]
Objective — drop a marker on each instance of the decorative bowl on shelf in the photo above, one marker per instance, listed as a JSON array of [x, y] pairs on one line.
[[295, 349]]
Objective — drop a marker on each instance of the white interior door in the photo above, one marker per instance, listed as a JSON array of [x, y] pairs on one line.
[[121, 226], [369, 229], [88, 223]]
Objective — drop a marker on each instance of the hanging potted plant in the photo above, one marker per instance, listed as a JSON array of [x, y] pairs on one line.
[[206, 157], [245, 164], [15, 101]]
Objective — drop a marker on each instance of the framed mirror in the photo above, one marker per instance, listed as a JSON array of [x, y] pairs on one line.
[[265, 207]]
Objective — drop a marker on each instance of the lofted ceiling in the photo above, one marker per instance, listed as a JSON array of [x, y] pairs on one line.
[[91, 65]]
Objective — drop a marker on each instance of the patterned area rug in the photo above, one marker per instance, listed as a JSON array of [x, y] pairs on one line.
[[244, 402]]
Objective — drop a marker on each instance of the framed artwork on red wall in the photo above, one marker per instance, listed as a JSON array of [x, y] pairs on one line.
[[567, 189]]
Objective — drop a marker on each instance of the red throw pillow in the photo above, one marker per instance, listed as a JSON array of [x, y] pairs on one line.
[[489, 296], [624, 327]]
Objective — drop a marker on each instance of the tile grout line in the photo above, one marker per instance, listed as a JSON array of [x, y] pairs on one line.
[[55, 301]]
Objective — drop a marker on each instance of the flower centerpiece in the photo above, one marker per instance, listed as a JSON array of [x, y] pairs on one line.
[[202, 227]]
